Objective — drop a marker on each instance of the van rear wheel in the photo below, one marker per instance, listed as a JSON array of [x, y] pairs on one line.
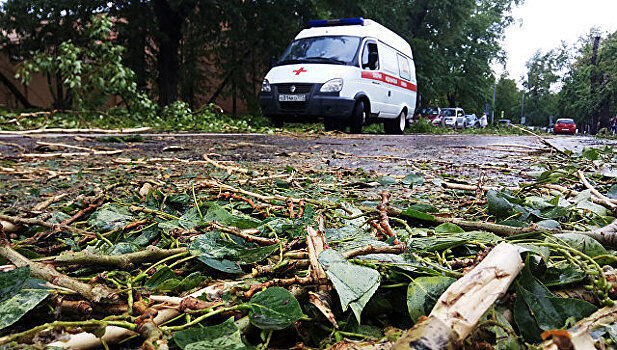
[[397, 125], [357, 118]]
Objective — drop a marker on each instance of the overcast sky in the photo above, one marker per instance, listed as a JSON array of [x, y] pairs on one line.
[[543, 24]]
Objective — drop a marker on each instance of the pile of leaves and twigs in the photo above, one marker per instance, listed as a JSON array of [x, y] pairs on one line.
[[171, 253]]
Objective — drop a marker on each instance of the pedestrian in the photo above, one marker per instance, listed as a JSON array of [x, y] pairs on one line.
[[614, 127], [483, 121]]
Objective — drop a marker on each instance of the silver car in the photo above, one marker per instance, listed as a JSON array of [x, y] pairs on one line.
[[453, 117]]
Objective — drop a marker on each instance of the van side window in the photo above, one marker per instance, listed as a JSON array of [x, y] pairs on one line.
[[370, 50], [403, 67]]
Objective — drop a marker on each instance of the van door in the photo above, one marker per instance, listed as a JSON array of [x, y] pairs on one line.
[[371, 80], [394, 93]]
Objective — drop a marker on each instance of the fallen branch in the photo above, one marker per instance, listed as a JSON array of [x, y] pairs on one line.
[[49, 201], [39, 222], [70, 154], [369, 249], [93, 293], [63, 145], [459, 309], [605, 200], [228, 169], [10, 144], [579, 337], [76, 131], [124, 261], [247, 235]]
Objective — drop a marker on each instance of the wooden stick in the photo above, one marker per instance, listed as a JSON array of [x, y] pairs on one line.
[[63, 145], [605, 200], [57, 227], [71, 131], [94, 293], [459, 309], [49, 201], [10, 144], [228, 169], [70, 154], [123, 261], [247, 235]]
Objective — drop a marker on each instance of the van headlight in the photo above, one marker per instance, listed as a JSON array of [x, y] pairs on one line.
[[333, 85], [265, 86]]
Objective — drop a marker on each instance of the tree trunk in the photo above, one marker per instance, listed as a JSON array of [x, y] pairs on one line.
[[15, 91], [170, 26]]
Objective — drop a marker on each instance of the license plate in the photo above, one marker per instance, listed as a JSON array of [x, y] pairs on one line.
[[292, 98]]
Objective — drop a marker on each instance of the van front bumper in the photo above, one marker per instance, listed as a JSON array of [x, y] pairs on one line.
[[316, 106]]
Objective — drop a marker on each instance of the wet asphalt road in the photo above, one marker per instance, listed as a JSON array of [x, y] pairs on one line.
[[384, 154]]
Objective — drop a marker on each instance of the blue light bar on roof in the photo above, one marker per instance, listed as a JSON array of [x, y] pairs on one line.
[[336, 22]]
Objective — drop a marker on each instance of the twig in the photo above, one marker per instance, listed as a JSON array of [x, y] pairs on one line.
[[228, 169], [10, 144], [124, 261], [70, 154], [63, 145], [39, 222], [71, 131], [605, 200], [247, 235], [47, 273], [369, 249], [48, 202]]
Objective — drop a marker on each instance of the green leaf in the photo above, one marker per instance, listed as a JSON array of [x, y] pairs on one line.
[[386, 180], [354, 284], [12, 281], [275, 308], [442, 242], [224, 336], [582, 243], [448, 228], [547, 310], [15, 307], [110, 217], [612, 192], [423, 292], [562, 274], [161, 275], [416, 214], [552, 213], [498, 206], [414, 179], [592, 207]]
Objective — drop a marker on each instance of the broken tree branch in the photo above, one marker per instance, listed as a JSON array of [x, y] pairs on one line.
[[124, 261], [459, 309], [94, 293]]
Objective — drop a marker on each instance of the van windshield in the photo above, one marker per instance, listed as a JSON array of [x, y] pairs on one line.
[[321, 49]]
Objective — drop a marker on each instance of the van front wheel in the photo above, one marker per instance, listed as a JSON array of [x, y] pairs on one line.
[[357, 118], [397, 125]]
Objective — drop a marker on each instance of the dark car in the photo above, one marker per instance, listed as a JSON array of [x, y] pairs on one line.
[[430, 113], [471, 121], [565, 126], [504, 122]]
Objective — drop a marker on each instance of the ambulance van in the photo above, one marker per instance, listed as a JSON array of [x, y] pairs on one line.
[[350, 72]]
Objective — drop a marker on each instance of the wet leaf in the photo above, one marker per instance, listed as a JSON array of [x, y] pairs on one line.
[[15, 307], [416, 214], [612, 192], [499, 206], [354, 284], [12, 281], [224, 336], [110, 217], [386, 180], [448, 228], [582, 243], [413, 179], [423, 292], [275, 308]]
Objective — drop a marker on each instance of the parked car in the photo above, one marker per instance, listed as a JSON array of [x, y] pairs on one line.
[[564, 126], [453, 118], [471, 121], [430, 113], [503, 123]]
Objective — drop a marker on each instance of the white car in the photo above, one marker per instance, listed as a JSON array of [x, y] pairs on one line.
[[349, 72], [453, 118]]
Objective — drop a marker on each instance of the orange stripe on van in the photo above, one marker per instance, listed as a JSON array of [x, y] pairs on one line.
[[388, 79]]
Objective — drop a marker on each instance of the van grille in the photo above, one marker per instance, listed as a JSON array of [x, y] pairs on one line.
[[293, 106], [300, 88]]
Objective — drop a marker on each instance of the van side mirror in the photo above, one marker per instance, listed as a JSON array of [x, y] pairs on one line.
[[373, 56]]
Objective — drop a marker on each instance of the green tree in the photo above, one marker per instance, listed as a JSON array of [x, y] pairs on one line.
[[508, 98], [542, 78]]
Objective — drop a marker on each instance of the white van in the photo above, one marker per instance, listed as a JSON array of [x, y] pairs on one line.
[[349, 72]]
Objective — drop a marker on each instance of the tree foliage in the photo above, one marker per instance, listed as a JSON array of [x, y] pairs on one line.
[[202, 50]]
